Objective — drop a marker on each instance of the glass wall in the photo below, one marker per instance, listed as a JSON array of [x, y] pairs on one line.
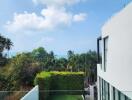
[[100, 88], [118, 95], [104, 92], [105, 52], [122, 96], [99, 50], [107, 90]]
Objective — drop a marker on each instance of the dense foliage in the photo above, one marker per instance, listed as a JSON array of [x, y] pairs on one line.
[[5, 44], [59, 81], [21, 69]]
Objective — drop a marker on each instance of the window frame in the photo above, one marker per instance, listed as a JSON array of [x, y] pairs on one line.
[[105, 52], [99, 60]]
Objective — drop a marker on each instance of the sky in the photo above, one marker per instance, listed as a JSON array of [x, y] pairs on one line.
[[56, 25]]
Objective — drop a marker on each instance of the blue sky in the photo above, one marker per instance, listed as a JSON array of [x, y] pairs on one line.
[[58, 25]]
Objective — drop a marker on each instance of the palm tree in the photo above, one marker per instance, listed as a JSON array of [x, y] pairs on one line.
[[5, 44], [2, 43], [8, 45]]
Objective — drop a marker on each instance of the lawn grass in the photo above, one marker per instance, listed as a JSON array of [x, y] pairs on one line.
[[66, 97]]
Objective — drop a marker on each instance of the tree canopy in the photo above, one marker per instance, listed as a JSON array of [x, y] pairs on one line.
[[5, 44], [21, 69]]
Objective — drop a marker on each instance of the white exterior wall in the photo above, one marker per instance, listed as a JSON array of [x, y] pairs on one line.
[[119, 62]]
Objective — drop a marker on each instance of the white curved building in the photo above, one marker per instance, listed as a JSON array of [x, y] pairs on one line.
[[115, 48]]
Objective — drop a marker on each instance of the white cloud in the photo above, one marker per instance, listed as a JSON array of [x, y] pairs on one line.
[[56, 2], [79, 17], [56, 16], [51, 17], [24, 21]]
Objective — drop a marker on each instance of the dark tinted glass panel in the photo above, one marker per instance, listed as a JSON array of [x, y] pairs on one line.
[[105, 52]]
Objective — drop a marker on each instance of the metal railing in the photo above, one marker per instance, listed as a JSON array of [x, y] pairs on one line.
[[12, 95]]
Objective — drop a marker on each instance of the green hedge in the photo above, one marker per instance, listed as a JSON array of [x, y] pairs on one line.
[[59, 81]]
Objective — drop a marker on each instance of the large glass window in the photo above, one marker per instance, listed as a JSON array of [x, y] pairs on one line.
[[100, 88], [113, 93], [126, 98], [104, 90], [122, 96], [99, 50], [105, 52], [118, 95], [107, 90]]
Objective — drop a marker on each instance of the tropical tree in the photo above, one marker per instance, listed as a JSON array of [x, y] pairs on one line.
[[5, 44], [24, 69], [8, 45], [61, 64], [71, 60]]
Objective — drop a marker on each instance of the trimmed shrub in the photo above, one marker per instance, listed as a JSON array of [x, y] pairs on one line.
[[59, 81], [43, 80]]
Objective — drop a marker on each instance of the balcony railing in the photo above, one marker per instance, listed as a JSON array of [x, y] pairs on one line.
[[12, 95]]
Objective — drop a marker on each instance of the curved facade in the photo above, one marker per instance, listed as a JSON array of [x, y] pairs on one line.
[[115, 68]]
